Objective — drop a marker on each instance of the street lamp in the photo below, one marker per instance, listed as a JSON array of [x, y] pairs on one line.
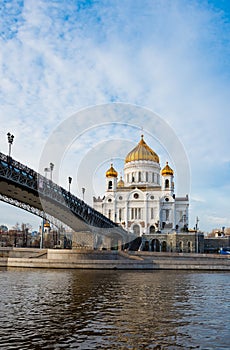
[[70, 180], [10, 141], [51, 170], [83, 193], [42, 233], [197, 239], [46, 170]]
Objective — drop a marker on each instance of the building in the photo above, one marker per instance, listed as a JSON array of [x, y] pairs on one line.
[[15, 237], [50, 237], [218, 238], [144, 203]]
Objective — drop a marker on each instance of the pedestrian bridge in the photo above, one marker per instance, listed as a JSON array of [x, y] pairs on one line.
[[25, 188]]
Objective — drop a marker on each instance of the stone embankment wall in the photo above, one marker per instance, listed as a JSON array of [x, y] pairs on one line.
[[73, 259]]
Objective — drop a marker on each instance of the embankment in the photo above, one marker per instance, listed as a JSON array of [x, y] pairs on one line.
[[86, 259]]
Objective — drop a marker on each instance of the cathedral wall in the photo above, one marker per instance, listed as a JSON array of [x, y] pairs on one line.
[[142, 172], [174, 242]]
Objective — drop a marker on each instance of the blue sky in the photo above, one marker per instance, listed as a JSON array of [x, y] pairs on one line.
[[171, 57]]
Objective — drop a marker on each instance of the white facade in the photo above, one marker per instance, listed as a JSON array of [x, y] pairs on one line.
[[144, 202]]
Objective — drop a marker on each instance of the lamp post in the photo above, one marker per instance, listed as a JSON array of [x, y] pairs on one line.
[[46, 170], [42, 233], [197, 239], [51, 170], [10, 141], [70, 180], [83, 193]]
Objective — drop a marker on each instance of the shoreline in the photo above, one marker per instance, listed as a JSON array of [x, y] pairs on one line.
[[110, 260]]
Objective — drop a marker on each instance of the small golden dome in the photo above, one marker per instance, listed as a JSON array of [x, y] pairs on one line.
[[47, 224], [120, 183], [142, 152], [111, 172], [166, 170]]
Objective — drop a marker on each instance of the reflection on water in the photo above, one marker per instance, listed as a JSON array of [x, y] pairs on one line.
[[86, 309]]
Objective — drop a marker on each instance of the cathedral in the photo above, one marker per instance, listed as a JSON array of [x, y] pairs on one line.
[[144, 201]]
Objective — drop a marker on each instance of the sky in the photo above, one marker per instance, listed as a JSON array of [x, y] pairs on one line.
[[171, 58]]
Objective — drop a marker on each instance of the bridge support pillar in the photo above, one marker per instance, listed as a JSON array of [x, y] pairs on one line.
[[97, 239], [82, 240], [107, 242]]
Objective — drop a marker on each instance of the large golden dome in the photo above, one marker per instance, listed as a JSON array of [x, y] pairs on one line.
[[111, 172], [142, 152], [167, 170]]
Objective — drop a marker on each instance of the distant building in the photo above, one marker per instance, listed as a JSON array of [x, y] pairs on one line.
[[218, 238], [15, 237], [220, 232], [3, 228], [53, 237]]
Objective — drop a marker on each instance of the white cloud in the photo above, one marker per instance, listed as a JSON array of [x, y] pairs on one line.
[[218, 222], [171, 57]]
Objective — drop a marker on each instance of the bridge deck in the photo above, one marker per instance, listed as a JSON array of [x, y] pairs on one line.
[[22, 185]]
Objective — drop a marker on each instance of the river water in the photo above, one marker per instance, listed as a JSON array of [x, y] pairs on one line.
[[87, 309]]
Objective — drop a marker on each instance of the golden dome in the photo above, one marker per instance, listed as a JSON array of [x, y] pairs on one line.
[[167, 170], [142, 152], [120, 183], [47, 224], [111, 172]]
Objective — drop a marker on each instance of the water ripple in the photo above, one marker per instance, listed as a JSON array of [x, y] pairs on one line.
[[63, 309]]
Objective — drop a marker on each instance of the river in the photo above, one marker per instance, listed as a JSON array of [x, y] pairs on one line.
[[89, 309]]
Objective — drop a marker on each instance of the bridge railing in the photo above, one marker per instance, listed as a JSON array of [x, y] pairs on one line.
[[45, 188], [12, 163]]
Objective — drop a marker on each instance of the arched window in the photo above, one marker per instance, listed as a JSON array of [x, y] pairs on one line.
[[120, 214], [167, 214], [139, 176], [152, 229], [181, 247], [155, 245], [146, 246], [152, 213], [147, 176], [136, 229], [110, 185], [166, 183], [164, 246], [132, 213], [109, 214], [136, 213]]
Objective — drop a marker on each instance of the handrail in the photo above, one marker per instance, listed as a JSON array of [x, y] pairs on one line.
[[48, 188]]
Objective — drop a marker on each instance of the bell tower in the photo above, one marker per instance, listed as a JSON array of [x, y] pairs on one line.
[[167, 179], [111, 179]]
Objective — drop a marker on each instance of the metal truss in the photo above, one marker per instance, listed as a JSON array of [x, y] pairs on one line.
[[46, 190], [57, 223]]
